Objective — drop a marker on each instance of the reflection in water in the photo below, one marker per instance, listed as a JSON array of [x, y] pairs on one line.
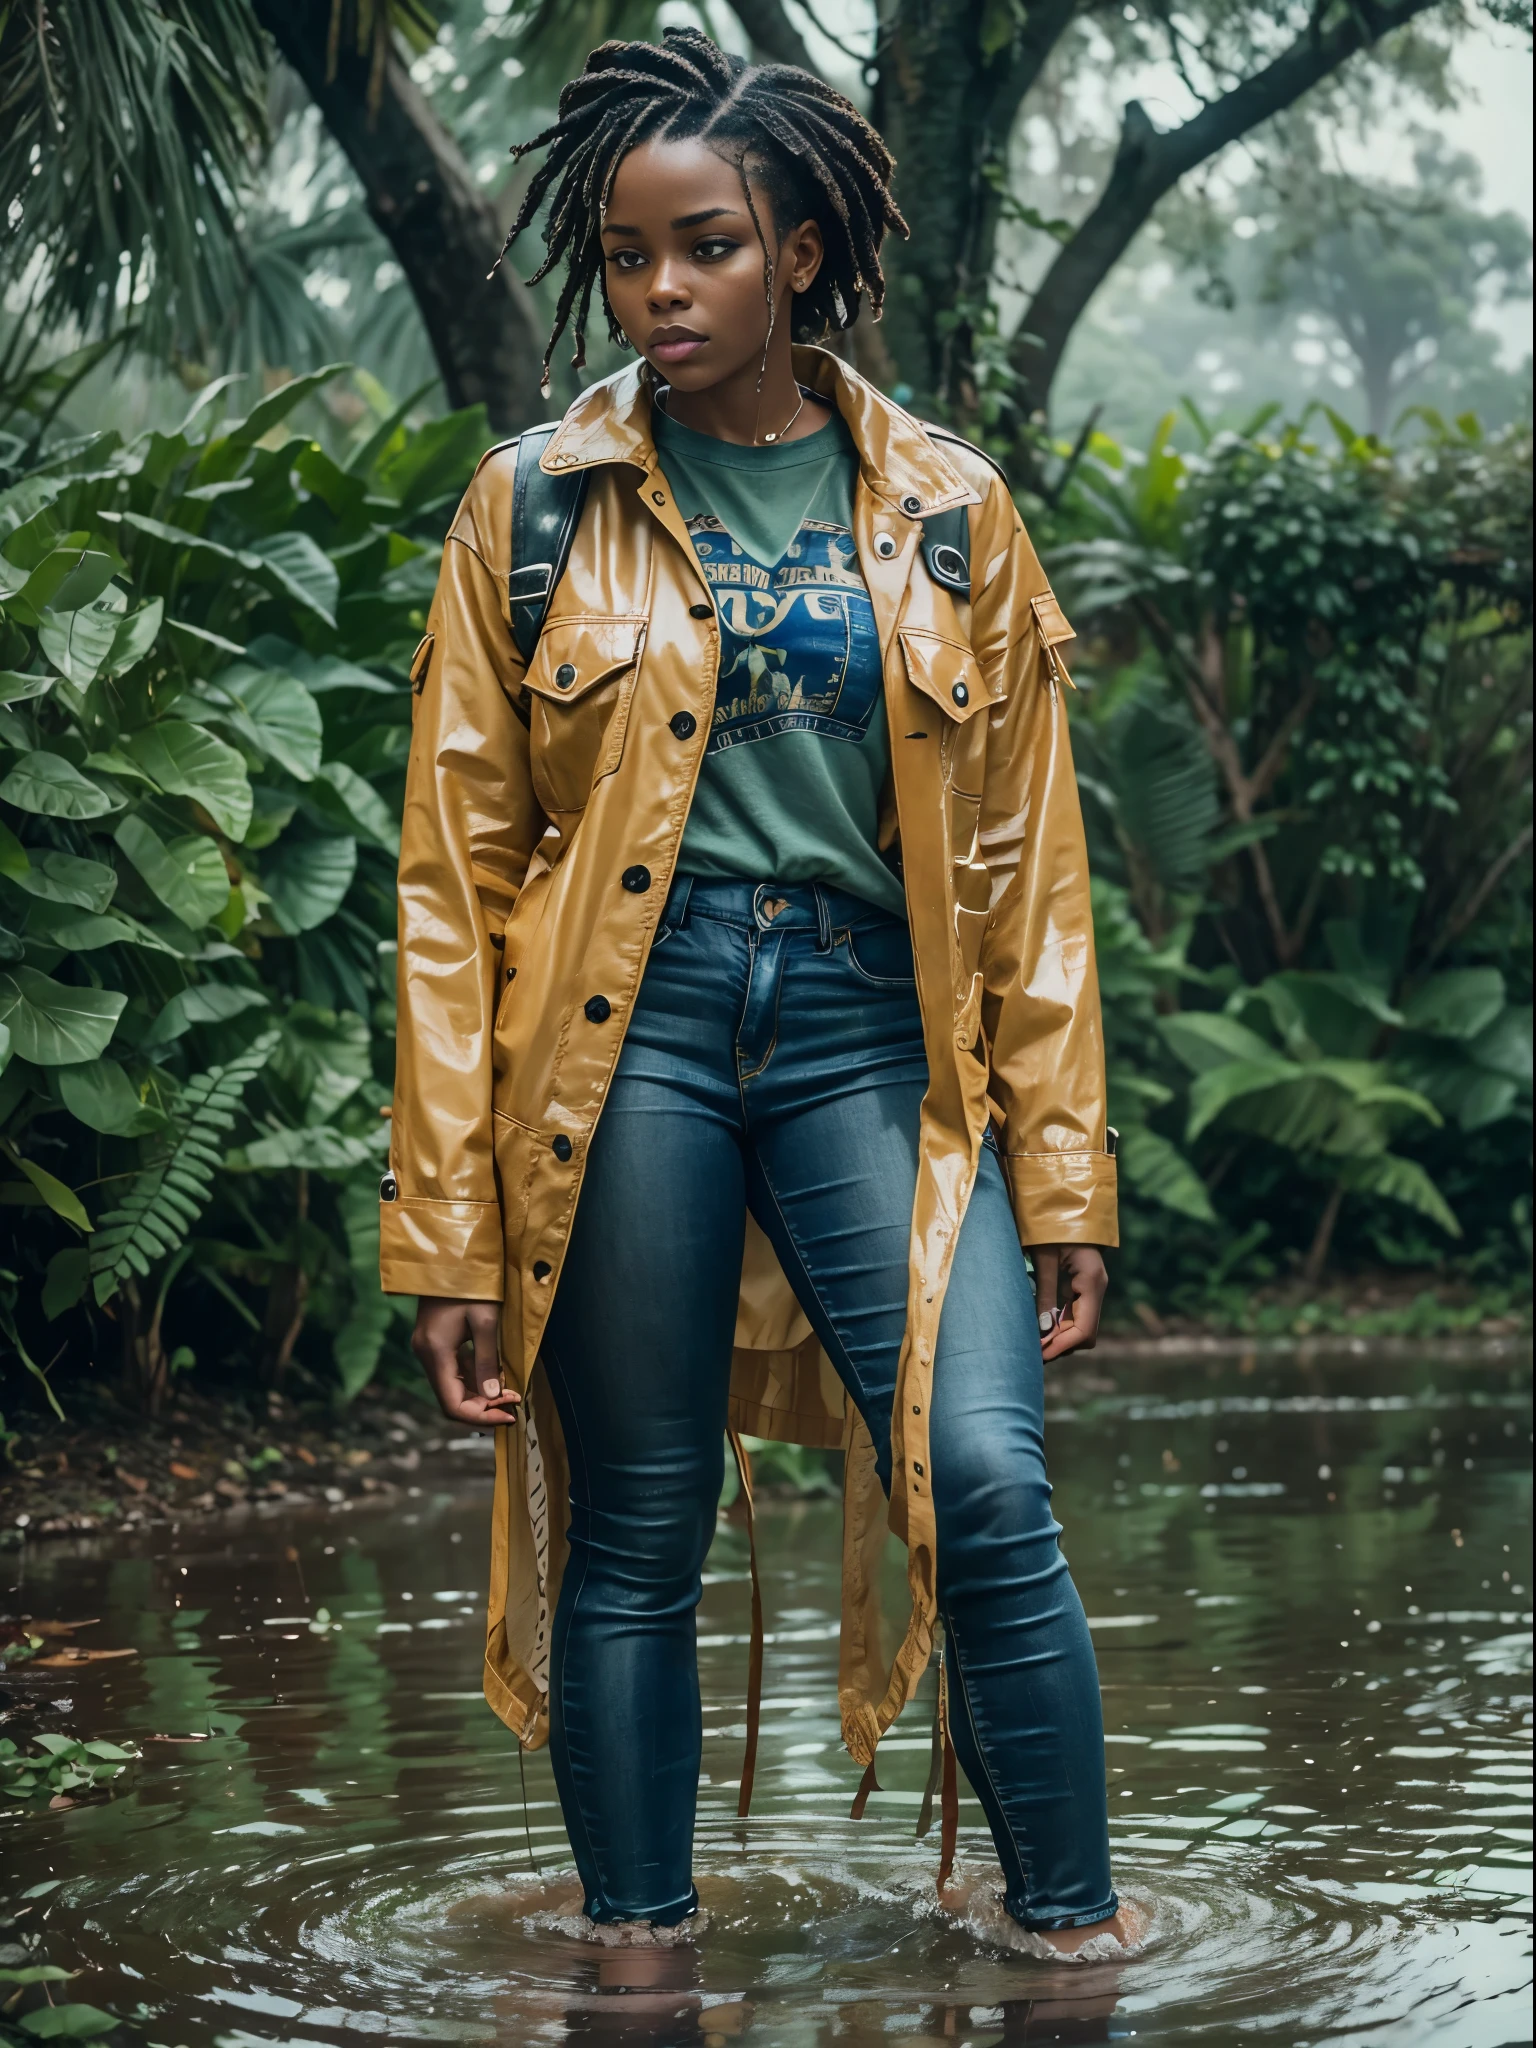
[[1309, 1593]]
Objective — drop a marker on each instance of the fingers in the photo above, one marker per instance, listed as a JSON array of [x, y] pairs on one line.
[[1081, 1268], [1047, 1258], [470, 1392]]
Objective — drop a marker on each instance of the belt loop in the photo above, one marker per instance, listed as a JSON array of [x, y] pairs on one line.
[[823, 920], [677, 903]]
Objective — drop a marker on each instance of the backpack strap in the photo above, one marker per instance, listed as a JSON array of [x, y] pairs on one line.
[[546, 510]]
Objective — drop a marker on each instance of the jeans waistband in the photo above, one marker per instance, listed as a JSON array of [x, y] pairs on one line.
[[769, 906]]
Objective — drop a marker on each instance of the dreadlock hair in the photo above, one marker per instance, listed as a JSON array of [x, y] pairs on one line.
[[813, 152]]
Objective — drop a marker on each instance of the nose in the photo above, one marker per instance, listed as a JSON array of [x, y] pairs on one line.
[[669, 286]]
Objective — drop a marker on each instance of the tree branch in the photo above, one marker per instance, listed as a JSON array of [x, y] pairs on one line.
[[770, 30], [1150, 162], [440, 224], [1520, 844]]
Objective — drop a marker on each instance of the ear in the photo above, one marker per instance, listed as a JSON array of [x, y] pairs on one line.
[[804, 253]]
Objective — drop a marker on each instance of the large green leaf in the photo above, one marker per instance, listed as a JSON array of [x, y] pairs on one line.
[[66, 878], [1165, 788], [272, 410], [322, 1150], [1457, 1004], [307, 878], [301, 570], [52, 787], [1405, 1181], [68, 2022], [275, 715], [53, 1025], [188, 875], [82, 931], [188, 760], [101, 639], [347, 800], [60, 1197], [1152, 1166], [101, 1096], [1203, 1039], [206, 1002], [1504, 1047]]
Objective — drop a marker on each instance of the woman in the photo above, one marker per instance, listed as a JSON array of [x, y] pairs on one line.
[[748, 1017]]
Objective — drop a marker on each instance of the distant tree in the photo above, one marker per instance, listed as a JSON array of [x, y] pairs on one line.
[[1400, 271]]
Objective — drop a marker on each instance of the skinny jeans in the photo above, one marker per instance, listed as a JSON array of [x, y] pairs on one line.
[[774, 1062]]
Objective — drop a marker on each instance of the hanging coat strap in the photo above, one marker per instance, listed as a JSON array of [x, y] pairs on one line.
[[755, 1654], [867, 1784], [546, 511], [949, 1795]]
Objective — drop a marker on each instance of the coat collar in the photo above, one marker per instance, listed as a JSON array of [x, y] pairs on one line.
[[611, 422]]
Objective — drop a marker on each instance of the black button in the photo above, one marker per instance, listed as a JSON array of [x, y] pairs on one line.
[[561, 1147], [565, 675], [885, 547], [961, 694], [684, 725], [598, 1009], [389, 1189], [911, 505], [701, 611], [636, 880], [917, 1468], [541, 1269]]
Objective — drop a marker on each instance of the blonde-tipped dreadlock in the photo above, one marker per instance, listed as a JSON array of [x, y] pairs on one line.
[[812, 150]]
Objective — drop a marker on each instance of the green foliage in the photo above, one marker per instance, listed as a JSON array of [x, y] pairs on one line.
[[63, 1765], [1304, 747], [205, 637]]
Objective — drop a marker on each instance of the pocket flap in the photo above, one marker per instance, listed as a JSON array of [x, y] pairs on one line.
[[575, 655], [944, 670], [1051, 619]]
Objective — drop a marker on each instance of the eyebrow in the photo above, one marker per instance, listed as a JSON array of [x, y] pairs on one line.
[[684, 220]]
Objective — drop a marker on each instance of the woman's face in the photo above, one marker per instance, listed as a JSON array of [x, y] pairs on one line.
[[684, 265]]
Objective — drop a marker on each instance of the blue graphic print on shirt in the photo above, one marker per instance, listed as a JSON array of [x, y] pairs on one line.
[[799, 651]]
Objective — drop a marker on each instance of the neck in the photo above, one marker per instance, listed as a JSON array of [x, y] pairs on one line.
[[736, 410]]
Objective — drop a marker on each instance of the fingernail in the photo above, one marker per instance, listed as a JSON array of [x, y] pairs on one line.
[[490, 1388], [1047, 1324]]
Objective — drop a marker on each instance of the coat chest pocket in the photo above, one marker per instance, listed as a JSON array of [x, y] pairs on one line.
[[575, 697], [950, 676]]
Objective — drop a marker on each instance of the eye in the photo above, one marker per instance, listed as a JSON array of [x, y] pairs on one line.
[[626, 259], [715, 248]]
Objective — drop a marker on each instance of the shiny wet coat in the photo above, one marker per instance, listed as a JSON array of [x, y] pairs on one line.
[[544, 809]]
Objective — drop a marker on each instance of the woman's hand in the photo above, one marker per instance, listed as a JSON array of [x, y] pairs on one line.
[[1077, 1270], [456, 1344]]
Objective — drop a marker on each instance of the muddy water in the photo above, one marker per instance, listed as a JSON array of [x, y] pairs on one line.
[[1310, 1595]]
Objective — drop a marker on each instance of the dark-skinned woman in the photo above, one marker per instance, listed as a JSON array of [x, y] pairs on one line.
[[748, 1020]]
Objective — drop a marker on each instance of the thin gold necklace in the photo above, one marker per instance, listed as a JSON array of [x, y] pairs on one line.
[[769, 439]]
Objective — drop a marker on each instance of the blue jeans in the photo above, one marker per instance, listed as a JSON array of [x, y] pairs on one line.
[[775, 1063]]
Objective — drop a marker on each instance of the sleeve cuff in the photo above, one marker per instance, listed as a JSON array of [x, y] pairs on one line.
[[1065, 1197], [444, 1248]]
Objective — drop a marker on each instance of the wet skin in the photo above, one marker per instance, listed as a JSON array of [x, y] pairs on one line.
[[685, 272]]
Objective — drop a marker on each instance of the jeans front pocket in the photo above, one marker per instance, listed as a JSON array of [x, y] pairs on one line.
[[881, 953]]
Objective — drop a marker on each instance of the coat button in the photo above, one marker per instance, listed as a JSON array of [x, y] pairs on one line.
[[684, 725], [389, 1189], [636, 880], [885, 546], [565, 675], [911, 506], [961, 694], [541, 1269], [598, 1009], [701, 611], [561, 1147]]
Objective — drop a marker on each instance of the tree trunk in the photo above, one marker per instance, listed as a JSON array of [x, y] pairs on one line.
[[442, 227], [146, 1369], [1322, 1238], [287, 1297]]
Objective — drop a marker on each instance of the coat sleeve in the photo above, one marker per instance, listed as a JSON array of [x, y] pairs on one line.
[[471, 826], [1040, 998]]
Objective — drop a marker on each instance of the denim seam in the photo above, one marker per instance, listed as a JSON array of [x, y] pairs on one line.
[[773, 1043], [861, 1398], [886, 982], [575, 1601], [1026, 1868]]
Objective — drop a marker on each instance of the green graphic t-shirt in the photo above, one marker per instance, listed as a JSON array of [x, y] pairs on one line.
[[789, 789]]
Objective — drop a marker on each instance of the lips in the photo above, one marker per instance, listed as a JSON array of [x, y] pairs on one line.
[[674, 344]]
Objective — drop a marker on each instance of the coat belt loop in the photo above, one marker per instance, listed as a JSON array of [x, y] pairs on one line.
[[823, 920], [755, 1655]]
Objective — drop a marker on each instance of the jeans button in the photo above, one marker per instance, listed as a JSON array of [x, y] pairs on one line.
[[561, 1147], [684, 725], [636, 880], [598, 1009]]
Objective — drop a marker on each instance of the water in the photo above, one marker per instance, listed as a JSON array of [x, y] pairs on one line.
[[1310, 1596]]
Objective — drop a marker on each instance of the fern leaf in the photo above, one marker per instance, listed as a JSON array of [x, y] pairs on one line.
[[168, 1196]]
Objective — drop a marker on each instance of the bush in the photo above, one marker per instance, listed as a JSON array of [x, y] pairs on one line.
[[205, 639]]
